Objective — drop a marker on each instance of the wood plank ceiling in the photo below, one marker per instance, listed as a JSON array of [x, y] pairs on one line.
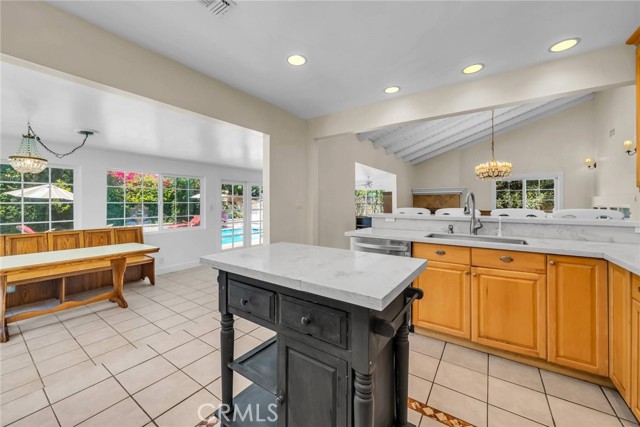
[[416, 142]]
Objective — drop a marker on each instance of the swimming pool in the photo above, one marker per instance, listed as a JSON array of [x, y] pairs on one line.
[[228, 237]]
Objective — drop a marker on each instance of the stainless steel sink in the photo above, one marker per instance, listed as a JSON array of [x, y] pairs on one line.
[[471, 237]]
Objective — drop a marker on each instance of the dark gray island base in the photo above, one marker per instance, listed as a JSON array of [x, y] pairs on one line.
[[331, 363]]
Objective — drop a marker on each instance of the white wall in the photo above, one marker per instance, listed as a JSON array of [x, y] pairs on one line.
[[336, 158], [180, 248], [615, 109]]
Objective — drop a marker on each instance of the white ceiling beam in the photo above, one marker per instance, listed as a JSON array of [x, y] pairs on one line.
[[568, 76], [402, 133], [503, 128]]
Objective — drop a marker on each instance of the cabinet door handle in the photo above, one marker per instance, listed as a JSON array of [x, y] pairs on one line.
[[466, 273], [280, 400], [474, 274], [243, 301], [305, 320], [440, 252], [552, 263], [506, 259]]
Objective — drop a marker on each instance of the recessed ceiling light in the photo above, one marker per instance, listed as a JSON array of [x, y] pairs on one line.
[[296, 60], [473, 68], [392, 89], [564, 45]]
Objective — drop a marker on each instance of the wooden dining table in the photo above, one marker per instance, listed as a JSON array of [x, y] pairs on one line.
[[16, 270]]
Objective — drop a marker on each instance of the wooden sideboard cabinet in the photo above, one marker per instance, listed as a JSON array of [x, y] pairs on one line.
[[620, 329], [578, 319], [446, 286]]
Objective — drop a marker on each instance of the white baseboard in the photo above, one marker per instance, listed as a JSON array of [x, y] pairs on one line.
[[176, 267]]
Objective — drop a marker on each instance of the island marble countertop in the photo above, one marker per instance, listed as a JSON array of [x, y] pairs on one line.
[[626, 255], [364, 279]]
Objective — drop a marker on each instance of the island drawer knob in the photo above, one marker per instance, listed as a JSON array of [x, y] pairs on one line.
[[305, 320], [506, 259], [280, 400], [440, 252], [243, 301]]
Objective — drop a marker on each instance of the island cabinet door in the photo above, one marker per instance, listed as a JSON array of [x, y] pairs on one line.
[[508, 310], [314, 386], [446, 305], [635, 358], [620, 329], [578, 319]]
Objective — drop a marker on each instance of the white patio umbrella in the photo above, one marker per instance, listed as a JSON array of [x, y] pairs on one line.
[[45, 191], [197, 196]]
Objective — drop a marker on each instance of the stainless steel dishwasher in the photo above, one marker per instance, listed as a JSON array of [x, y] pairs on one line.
[[381, 246]]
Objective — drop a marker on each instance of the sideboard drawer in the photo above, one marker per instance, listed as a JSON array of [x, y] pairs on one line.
[[509, 260], [318, 321], [252, 300]]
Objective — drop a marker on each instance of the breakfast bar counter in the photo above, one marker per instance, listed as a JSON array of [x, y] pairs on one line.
[[341, 344]]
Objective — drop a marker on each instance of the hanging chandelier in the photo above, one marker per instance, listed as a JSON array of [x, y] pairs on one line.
[[493, 169], [29, 160]]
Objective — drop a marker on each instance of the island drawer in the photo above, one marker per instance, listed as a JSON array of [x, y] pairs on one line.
[[442, 253], [635, 287], [324, 323], [509, 260], [249, 299]]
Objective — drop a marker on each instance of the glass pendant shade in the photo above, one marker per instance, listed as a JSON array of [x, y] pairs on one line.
[[28, 159], [493, 169]]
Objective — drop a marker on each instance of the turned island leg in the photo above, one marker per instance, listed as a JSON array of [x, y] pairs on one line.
[[363, 400], [226, 357], [402, 373]]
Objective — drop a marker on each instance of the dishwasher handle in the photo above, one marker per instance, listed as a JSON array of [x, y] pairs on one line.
[[399, 248]]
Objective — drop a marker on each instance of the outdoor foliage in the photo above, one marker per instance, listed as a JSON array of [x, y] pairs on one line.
[[39, 214], [538, 194], [133, 198], [369, 202]]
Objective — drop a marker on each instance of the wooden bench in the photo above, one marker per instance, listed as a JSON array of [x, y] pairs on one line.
[[139, 267]]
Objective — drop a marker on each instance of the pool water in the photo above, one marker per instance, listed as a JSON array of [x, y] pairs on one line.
[[228, 237]]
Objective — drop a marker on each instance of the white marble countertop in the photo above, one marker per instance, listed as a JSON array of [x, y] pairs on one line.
[[626, 255], [12, 262], [365, 279]]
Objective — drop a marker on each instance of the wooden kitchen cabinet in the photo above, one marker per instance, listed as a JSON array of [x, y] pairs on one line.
[[508, 310], [620, 329], [577, 308], [446, 304], [635, 358]]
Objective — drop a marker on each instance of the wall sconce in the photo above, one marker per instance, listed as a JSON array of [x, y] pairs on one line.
[[627, 146], [590, 163]]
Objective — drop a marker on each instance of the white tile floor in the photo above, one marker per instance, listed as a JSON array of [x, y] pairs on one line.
[[156, 362]]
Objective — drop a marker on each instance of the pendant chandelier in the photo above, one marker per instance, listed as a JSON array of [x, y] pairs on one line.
[[29, 160], [493, 169]]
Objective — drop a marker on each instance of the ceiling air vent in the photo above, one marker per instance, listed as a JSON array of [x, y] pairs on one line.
[[218, 7]]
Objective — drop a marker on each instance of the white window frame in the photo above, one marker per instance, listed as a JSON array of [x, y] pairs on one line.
[[558, 190], [246, 210], [161, 229], [75, 202]]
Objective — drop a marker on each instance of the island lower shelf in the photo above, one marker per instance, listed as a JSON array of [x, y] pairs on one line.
[[253, 406], [260, 366]]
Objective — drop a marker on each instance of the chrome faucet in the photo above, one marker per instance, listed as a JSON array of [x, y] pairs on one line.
[[475, 223]]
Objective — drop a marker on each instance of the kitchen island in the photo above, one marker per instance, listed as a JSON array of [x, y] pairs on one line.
[[341, 340]]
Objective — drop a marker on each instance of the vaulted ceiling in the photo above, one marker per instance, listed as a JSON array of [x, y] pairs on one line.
[[417, 142]]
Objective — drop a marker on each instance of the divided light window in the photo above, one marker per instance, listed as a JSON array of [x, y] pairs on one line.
[[540, 192], [242, 215], [35, 202], [133, 198]]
